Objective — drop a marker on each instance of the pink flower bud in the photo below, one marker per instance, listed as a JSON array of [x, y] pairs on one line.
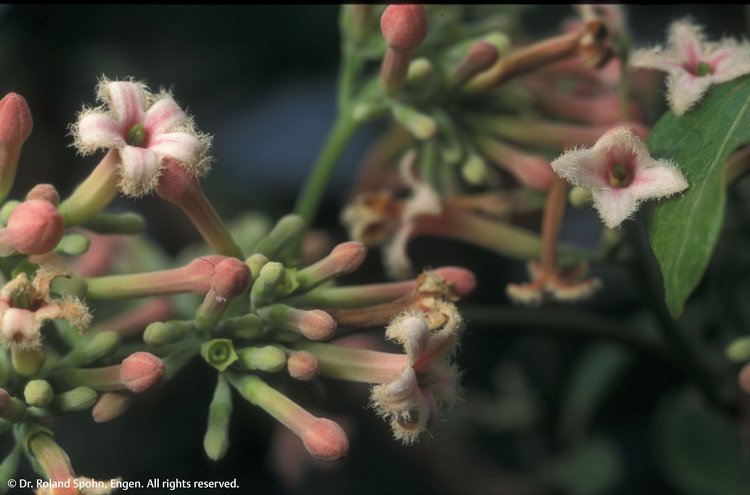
[[461, 281], [140, 371], [316, 324], [199, 272], [404, 27], [343, 259], [480, 57], [110, 405], [45, 192], [302, 365], [35, 227], [231, 278], [325, 440], [15, 120]]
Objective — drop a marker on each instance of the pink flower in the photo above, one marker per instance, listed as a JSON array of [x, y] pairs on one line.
[[694, 64], [145, 129], [620, 173]]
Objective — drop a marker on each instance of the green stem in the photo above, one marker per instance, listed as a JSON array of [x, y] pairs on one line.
[[342, 132]]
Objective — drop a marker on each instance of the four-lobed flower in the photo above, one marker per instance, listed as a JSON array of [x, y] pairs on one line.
[[620, 174], [694, 64]]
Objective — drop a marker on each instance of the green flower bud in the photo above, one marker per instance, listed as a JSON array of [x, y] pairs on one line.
[[216, 440], [255, 263], [161, 333], [78, 399], [38, 393], [270, 358]]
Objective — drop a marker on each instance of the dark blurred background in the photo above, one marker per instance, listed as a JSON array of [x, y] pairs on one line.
[[261, 79]]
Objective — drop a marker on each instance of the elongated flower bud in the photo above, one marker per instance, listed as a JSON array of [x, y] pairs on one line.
[[111, 405], [323, 438], [314, 324], [344, 259], [15, 127], [404, 28]]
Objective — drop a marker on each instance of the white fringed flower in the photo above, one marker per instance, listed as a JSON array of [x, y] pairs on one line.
[[145, 129], [694, 64], [620, 173]]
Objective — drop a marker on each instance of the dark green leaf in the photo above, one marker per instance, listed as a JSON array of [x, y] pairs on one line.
[[683, 230]]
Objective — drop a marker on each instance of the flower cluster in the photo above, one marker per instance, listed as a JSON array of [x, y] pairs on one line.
[[476, 169], [249, 309]]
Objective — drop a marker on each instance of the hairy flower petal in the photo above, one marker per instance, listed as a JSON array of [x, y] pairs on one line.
[[139, 170], [126, 99], [99, 130], [694, 64], [181, 146], [163, 116], [619, 151]]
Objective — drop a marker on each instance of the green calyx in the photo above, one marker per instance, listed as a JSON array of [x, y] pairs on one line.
[[219, 353]]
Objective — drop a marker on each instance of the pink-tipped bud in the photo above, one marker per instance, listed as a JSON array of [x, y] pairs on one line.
[[140, 371], [200, 272], [15, 128], [15, 120], [231, 278], [35, 227], [176, 183], [404, 27], [461, 281], [302, 365], [744, 378], [347, 256], [45, 192], [343, 259], [316, 324], [325, 440], [479, 58], [110, 405]]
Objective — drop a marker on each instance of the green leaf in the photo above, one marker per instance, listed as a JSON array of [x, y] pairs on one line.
[[683, 230], [698, 449]]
